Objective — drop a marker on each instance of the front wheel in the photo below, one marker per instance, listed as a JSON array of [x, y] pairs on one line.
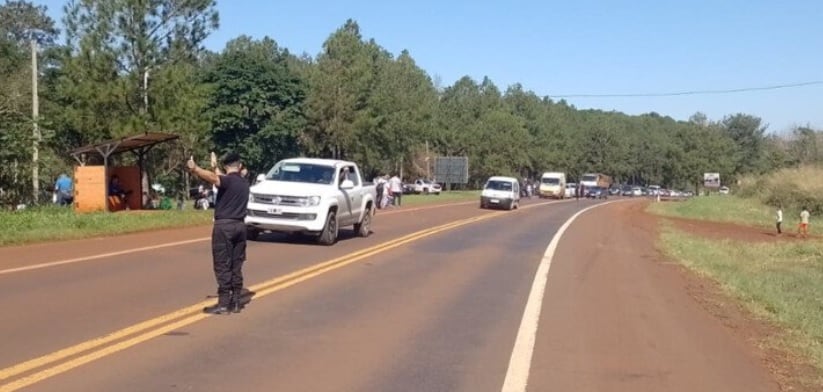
[[363, 229], [329, 234]]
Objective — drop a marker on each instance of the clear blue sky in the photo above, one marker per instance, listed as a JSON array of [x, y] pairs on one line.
[[581, 47]]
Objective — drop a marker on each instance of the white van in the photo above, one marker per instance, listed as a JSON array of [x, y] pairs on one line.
[[500, 192], [552, 184]]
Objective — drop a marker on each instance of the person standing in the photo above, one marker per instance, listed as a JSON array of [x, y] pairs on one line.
[[779, 219], [228, 238], [396, 186], [804, 223], [64, 190]]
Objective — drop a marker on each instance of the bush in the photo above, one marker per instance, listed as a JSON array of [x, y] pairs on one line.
[[793, 188]]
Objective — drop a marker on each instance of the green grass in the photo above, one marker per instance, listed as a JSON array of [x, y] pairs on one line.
[[726, 208], [53, 223], [444, 197], [779, 281]]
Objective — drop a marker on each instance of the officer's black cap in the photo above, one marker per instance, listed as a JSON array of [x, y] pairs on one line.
[[231, 158]]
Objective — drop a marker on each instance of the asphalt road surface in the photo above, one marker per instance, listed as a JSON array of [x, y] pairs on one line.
[[437, 299]]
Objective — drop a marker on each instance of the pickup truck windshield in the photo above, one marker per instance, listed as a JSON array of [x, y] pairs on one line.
[[301, 172], [499, 185]]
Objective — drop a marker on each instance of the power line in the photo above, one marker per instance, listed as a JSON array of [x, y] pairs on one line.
[[694, 92]]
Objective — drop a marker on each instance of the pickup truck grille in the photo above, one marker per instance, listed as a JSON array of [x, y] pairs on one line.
[[285, 215], [279, 200]]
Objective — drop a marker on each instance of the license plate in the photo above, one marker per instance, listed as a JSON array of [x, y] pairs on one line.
[[495, 200], [275, 211]]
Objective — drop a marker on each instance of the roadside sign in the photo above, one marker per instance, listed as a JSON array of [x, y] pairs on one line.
[[711, 180], [451, 170]]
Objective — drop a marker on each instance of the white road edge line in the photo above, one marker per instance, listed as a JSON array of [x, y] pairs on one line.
[[517, 375]]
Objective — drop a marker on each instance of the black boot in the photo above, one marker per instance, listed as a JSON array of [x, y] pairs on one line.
[[216, 309], [221, 307], [235, 305]]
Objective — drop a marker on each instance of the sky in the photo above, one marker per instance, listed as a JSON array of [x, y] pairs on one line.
[[561, 48]]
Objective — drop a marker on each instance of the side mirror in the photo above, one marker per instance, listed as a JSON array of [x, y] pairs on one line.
[[260, 178], [347, 184]]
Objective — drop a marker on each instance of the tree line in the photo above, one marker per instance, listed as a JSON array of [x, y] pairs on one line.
[[125, 66]]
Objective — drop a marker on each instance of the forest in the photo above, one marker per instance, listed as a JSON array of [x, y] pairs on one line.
[[114, 68]]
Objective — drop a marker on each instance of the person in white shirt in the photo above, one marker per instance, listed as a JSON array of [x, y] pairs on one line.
[[396, 187], [779, 219]]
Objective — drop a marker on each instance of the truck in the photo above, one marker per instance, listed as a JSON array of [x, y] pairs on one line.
[[552, 184], [590, 180], [311, 196]]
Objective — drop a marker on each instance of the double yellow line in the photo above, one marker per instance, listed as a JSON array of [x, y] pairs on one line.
[[94, 349]]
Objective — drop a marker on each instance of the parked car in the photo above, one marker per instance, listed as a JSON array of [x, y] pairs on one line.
[[500, 192], [311, 196], [724, 190], [427, 187]]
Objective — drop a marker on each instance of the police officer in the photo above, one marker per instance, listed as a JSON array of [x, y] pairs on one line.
[[228, 237]]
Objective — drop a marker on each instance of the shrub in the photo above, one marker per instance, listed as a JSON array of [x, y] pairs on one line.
[[794, 188]]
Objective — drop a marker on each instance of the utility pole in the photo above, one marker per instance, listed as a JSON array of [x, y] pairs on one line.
[[35, 113]]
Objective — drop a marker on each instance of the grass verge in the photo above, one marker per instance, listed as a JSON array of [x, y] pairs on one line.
[[56, 224], [778, 281], [444, 197], [730, 209]]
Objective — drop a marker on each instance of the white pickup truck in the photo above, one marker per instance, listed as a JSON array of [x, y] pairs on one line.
[[311, 196]]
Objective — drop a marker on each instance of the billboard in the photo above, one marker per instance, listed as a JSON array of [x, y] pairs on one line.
[[711, 180], [451, 170]]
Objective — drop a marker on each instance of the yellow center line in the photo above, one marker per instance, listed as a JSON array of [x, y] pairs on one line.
[[156, 328]]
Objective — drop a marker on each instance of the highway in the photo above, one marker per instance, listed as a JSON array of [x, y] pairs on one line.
[[441, 298]]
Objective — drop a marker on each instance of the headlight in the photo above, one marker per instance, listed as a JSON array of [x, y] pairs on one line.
[[313, 200]]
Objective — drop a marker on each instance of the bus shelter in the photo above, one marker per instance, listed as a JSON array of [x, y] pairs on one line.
[[92, 182]]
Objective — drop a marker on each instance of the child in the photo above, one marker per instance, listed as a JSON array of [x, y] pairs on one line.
[[779, 218], [804, 223]]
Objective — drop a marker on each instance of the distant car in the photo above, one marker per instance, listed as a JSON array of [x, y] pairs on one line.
[[597, 192], [427, 187], [724, 190]]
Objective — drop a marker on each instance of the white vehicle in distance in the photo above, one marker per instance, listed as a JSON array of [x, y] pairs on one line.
[[571, 189], [552, 184], [501, 192], [427, 187], [311, 196]]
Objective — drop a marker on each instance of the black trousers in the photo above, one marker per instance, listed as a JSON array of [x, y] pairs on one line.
[[228, 247]]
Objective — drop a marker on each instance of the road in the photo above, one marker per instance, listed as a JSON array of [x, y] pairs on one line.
[[434, 300]]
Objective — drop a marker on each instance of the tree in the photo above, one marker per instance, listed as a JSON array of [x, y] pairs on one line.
[[21, 24], [340, 87], [135, 37], [256, 102], [748, 135]]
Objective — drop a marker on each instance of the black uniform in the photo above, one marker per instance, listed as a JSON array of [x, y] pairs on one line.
[[228, 239]]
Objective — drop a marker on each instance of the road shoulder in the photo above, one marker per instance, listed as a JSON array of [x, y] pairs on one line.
[[617, 316]]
